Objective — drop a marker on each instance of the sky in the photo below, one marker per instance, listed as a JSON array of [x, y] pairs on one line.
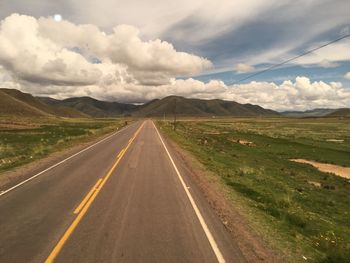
[[135, 51]]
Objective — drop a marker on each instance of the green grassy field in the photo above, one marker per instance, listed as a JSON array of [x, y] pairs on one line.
[[23, 140], [301, 211]]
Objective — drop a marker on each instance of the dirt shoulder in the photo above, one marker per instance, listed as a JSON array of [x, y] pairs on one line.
[[251, 244]]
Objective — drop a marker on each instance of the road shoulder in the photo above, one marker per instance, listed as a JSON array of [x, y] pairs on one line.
[[210, 190]]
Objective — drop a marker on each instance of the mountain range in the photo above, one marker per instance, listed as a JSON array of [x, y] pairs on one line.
[[92, 107], [16, 103], [160, 107], [318, 113]]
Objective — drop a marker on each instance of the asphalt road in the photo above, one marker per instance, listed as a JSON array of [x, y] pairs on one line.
[[127, 199]]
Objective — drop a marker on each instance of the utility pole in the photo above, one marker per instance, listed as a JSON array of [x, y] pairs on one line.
[[174, 128]]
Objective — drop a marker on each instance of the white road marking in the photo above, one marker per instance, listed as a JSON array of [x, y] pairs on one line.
[[59, 163], [210, 237]]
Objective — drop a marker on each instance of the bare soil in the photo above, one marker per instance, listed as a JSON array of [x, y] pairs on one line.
[[17, 125], [243, 142], [327, 168], [335, 140]]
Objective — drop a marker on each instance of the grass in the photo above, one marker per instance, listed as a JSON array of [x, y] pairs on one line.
[[280, 198], [25, 140]]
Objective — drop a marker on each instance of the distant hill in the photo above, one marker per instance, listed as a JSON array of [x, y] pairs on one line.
[[12, 106], [308, 113], [92, 107], [344, 112], [16, 103], [318, 113], [198, 107]]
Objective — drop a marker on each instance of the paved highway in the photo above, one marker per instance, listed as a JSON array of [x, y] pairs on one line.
[[126, 199]]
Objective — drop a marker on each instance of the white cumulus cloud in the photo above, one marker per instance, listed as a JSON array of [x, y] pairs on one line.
[[347, 76], [243, 68], [301, 94], [61, 53], [62, 59]]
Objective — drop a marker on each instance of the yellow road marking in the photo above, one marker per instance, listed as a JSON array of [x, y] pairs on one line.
[[85, 208], [93, 189], [121, 152]]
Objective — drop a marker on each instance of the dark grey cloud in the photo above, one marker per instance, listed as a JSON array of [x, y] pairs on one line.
[[294, 25]]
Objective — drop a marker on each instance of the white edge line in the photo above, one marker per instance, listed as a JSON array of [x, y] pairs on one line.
[[57, 164], [210, 237]]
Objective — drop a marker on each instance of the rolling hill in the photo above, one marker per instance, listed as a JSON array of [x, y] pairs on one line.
[[92, 107], [16, 103], [11, 106], [197, 107], [159, 107], [318, 113], [308, 113], [344, 112]]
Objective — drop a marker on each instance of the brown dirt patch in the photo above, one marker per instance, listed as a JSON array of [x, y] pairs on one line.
[[243, 142], [327, 168], [10, 125]]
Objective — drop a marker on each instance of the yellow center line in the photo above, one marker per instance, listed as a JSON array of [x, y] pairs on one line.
[[87, 197], [85, 207], [121, 152]]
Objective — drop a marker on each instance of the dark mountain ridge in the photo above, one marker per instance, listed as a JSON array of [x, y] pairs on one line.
[[15, 102], [198, 107], [93, 107]]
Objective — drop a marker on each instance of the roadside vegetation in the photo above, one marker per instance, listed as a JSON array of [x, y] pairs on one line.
[[301, 211], [24, 140]]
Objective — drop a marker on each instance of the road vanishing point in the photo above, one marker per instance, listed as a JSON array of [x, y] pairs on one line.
[[126, 198]]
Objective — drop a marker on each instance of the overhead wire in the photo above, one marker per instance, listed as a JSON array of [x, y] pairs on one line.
[[291, 59]]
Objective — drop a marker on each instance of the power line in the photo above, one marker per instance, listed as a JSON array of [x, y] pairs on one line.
[[291, 59]]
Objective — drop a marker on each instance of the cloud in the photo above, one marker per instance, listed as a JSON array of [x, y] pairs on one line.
[[300, 94], [226, 32], [243, 68], [347, 76], [62, 59], [48, 52], [328, 64], [263, 38], [153, 17], [330, 55], [345, 30]]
